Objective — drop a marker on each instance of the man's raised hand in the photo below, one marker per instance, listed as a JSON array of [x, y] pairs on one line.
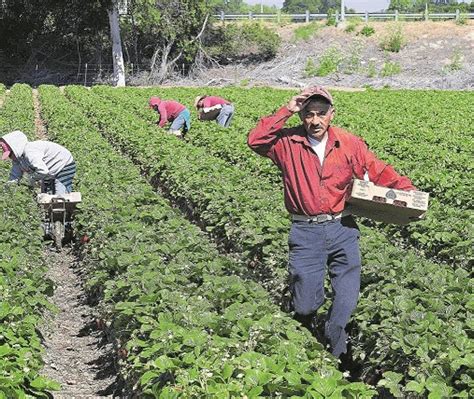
[[296, 103]]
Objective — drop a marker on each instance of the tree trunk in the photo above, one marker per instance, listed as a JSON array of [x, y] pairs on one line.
[[117, 55], [165, 65]]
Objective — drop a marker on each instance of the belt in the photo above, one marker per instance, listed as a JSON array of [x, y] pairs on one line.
[[324, 217]]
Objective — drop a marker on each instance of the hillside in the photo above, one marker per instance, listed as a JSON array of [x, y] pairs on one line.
[[437, 55]]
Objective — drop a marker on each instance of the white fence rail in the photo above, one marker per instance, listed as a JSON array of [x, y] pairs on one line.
[[307, 17]]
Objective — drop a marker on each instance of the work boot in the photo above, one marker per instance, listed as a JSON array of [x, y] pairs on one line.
[[307, 320]]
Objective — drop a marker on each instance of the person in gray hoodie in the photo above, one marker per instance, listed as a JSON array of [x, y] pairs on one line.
[[44, 161]]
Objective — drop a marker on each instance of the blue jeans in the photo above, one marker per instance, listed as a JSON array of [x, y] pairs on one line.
[[182, 121], [313, 247], [62, 183], [225, 116]]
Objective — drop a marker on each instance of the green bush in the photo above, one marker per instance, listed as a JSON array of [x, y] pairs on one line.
[[242, 42], [331, 21], [310, 68], [462, 20], [455, 62], [306, 32], [371, 70], [367, 31], [394, 41], [390, 68], [352, 24], [329, 62], [353, 63]]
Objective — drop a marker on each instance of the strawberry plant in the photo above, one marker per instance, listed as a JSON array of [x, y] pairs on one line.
[[399, 288], [23, 286], [447, 241], [19, 108], [187, 321]]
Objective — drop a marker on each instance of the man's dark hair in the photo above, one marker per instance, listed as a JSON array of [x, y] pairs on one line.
[[319, 102]]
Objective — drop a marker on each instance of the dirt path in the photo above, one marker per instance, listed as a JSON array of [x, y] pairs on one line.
[[39, 125], [2, 98], [76, 356]]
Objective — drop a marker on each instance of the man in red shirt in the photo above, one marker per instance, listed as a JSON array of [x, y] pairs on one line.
[[213, 107], [174, 112], [318, 162]]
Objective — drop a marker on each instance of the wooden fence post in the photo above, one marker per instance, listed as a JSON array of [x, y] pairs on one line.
[[85, 75]]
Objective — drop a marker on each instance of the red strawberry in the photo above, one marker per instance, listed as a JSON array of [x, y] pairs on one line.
[[85, 239]]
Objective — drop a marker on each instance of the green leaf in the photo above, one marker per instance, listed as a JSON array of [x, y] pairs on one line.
[[45, 383], [414, 386]]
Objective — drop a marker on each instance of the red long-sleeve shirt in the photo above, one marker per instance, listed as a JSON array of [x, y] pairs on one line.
[[210, 101], [168, 111], [311, 188]]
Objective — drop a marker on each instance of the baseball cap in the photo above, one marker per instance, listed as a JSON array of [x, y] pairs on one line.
[[318, 91]]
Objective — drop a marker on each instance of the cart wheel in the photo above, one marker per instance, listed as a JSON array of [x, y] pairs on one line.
[[58, 234]]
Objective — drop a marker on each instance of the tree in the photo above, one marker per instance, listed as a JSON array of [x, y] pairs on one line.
[[314, 6], [229, 6], [419, 5], [56, 33], [300, 6], [117, 55], [167, 31]]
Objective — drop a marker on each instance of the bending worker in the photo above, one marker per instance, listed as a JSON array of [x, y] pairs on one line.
[[213, 107], [43, 160], [174, 112], [318, 162]]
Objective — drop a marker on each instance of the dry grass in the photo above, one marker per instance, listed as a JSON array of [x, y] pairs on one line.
[[412, 30], [415, 30]]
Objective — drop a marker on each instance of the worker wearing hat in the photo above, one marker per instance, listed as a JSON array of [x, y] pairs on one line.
[[318, 162], [205, 106], [44, 161], [174, 112]]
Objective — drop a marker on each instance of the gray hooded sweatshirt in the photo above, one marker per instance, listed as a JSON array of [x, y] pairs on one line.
[[40, 159]]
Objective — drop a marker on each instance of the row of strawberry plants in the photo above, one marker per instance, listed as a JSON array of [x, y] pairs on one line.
[[426, 139], [191, 325], [19, 107], [401, 319], [428, 130], [23, 286], [445, 232]]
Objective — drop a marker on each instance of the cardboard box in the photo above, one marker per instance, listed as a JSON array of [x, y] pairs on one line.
[[386, 204], [211, 113], [73, 197]]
